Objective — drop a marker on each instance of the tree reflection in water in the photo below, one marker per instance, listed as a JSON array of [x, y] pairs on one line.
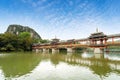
[[16, 65]]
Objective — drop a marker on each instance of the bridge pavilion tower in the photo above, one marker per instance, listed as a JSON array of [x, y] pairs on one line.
[[98, 41], [54, 42]]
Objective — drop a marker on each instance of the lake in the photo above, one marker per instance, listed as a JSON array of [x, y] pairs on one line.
[[59, 66]]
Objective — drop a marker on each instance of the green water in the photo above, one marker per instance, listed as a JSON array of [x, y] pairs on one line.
[[48, 66]]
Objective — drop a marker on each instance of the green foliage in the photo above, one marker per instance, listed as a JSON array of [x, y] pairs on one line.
[[36, 40], [10, 47], [25, 40], [44, 41], [12, 42], [24, 35], [7, 41], [21, 42]]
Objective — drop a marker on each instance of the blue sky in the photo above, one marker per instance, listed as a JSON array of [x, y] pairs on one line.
[[66, 19]]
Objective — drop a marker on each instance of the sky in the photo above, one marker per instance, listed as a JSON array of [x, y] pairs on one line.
[[65, 19]]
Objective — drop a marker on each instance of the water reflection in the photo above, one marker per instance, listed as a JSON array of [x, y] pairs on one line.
[[15, 65], [47, 66], [55, 59], [113, 56], [87, 55]]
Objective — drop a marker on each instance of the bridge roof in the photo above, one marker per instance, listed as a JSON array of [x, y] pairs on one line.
[[83, 39], [97, 35], [113, 35]]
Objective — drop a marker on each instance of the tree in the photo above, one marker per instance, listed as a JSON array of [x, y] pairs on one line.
[[13, 42], [44, 41], [8, 41], [26, 40], [9, 47]]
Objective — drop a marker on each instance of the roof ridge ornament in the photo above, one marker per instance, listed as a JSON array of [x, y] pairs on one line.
[[97, 30], [55, 37]]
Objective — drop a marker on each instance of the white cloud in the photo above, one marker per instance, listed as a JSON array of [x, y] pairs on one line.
[[79, 22]]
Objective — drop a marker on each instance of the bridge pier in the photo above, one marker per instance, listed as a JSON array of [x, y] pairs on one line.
[[70, 50], [98, 53], [98, 50], [55, 50], [45, 50], [38, 50]]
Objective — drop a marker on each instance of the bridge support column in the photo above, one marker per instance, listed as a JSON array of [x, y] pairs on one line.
[[98, 50], [98, 53], [54, 50], [38, 50], [70, 50], [45, 50]]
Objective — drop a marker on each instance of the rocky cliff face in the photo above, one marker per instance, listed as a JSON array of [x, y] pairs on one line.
[[17, 29]]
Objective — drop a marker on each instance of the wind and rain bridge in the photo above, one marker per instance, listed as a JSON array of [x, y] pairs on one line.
[[98, 41]]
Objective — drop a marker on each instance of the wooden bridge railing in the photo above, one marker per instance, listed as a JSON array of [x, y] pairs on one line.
[[76, 45], [62, 46]]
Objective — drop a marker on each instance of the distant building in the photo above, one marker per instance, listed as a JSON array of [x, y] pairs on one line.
[[55, 40], [97, 38]]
